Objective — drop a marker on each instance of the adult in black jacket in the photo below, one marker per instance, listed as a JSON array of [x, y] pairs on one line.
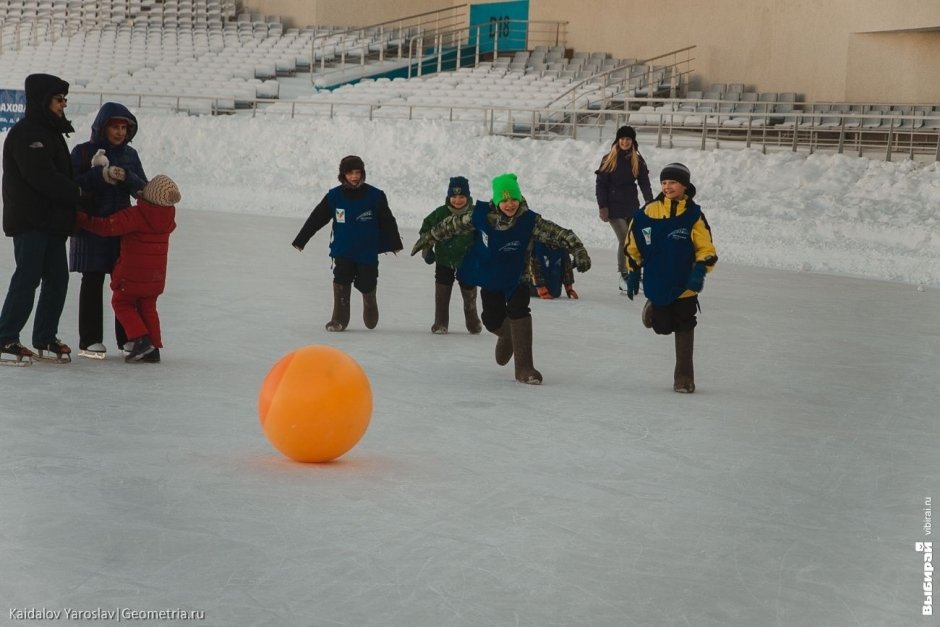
[[622, 170], [39, 202]]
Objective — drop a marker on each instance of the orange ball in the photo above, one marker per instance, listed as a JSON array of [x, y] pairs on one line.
[[315, 404]]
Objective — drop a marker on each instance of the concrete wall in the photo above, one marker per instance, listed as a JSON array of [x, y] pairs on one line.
[[836, 50], [343, 12], [894, 67]]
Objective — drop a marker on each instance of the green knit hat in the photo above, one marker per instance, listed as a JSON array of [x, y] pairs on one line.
[[506, 186]]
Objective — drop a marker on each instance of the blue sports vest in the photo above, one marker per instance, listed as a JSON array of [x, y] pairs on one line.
[[497, 259], [355, 225], [668, 253]]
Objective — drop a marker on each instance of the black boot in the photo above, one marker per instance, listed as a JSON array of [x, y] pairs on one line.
[[471, 318], [142, 348], [684, 375], [522, 351], [340, 319], [370, 310], [441, 308], [503, 343]]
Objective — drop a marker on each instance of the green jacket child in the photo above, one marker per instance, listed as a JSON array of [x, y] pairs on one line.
[[448, 255]]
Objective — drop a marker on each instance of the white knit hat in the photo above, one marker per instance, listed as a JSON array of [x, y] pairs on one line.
[[161, 190]]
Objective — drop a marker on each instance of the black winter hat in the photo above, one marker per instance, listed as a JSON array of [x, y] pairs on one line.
[[626, 131], [458, 186], [349, 163], [681, 174], [40, 88]]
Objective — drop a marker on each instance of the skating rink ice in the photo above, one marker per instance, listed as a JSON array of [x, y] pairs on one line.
[[790, 489]]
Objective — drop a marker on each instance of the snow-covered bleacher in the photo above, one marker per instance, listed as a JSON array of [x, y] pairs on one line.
[[195, 49], [511, 98]]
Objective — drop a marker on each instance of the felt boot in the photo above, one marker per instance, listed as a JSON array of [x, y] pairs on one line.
[[522, 351], [340, 319], [370, 310], [441, 308], [471, 319], [684, 375], [504, 343], [647, 315]]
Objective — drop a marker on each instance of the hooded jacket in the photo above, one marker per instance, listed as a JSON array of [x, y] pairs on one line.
[[39, 193], [145, 230], [89, 252]]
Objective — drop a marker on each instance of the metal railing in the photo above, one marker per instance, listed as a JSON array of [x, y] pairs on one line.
[[378, 39], [466, 44]]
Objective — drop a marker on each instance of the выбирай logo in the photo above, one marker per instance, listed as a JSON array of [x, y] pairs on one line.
[[927, 549]]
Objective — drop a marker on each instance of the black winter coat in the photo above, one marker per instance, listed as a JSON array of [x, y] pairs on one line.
[[617, 190], [38, 191]]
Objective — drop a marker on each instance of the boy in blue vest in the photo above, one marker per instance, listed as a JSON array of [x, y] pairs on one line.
[[670, 243], [503, 230], [550, 268], [363, 227]]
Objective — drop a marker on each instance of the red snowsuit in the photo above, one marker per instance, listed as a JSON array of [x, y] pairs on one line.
[[139, 275]]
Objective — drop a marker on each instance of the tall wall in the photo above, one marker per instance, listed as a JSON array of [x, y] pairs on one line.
[[343, 12], [804, 46], [894, 67], [839, 50]]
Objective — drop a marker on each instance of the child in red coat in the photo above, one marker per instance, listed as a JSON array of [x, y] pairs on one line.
[[139, 275]]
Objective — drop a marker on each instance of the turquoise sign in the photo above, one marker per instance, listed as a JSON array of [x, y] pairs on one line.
[[501, 26]]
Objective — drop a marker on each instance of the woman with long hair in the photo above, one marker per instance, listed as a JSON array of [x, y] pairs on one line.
[[621, 171]]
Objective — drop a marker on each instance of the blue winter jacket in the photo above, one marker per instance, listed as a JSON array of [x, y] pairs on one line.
[[89, 252]]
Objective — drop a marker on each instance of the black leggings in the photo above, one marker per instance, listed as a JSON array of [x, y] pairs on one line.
[[365, 277], [678, 315], [445, 275], [496, 308], [91, 312]]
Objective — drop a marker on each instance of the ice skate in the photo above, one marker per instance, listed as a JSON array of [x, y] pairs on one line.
[[142, 348], [15, 354], [93, 351], [623, 283], [54, 352]]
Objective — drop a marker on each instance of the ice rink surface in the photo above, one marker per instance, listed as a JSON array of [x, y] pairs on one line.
[[790, 489]]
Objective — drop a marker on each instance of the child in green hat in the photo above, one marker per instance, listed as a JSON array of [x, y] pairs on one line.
[[504, 229]]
